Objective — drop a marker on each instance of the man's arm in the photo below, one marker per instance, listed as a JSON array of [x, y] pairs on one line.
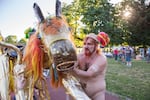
[[97, 67]]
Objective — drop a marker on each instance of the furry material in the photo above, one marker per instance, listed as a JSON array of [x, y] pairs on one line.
[[33, 58]]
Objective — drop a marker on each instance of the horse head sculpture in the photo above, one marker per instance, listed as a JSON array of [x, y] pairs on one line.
[[55, 39], [55, 34]]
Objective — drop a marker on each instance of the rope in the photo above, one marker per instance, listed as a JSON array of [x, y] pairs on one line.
[[58, 67]]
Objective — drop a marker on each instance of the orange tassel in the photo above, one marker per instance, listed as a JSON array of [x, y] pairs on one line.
[[33, 57]]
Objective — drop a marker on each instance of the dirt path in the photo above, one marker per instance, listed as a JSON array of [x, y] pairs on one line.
[[59, 94]]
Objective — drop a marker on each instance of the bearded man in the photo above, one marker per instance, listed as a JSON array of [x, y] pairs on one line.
[[91, 66]]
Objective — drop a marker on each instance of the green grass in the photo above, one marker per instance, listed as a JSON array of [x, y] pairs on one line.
[[132, 82]]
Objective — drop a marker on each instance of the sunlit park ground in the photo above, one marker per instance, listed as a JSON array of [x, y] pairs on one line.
[[129, 82]]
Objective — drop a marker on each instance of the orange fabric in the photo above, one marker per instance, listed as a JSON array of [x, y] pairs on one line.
[[33, 57], [56, 83]]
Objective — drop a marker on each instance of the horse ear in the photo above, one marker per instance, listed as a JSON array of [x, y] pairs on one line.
[[38, 12], [58, 8]]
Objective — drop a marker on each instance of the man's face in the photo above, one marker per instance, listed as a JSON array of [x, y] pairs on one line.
[[89, 47]]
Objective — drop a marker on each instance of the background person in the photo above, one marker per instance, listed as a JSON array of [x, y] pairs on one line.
[[116, 52], [148, 54], [128, 53]]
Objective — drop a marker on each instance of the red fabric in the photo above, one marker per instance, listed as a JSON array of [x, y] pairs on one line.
[[103, 38], [115, 51]]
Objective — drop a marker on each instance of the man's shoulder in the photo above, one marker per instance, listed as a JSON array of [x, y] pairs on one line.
[[101, 60], [102, 57]]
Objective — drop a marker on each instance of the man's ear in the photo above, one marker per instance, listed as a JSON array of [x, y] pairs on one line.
[[96, 44]]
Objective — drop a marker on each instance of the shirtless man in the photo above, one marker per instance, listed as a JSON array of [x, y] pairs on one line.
[[91, 69]]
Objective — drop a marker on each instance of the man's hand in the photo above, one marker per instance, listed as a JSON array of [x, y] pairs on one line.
[[72, 68]]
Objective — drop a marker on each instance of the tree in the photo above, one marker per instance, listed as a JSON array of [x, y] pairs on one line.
[[100, 15], [28, 32], [137, 27], [11, 39], [93, 15], [1, 37], [73, 16], [22, 41]]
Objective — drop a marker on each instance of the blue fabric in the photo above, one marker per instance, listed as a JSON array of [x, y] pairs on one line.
[[128, 58], [13, 54]]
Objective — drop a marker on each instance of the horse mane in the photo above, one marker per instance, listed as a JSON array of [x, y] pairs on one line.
[[33, 58]]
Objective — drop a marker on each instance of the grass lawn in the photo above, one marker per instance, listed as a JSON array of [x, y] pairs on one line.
[[132, 82]]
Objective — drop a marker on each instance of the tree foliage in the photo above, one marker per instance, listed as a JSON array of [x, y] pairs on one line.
[[92, 15], [136, 26], [28, 32], [11, 39], [22, 41], [100, 15]]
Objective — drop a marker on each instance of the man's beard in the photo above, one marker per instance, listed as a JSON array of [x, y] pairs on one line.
[[89, 52]]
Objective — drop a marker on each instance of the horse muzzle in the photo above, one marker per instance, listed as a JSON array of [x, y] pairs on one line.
[[63, 55]]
